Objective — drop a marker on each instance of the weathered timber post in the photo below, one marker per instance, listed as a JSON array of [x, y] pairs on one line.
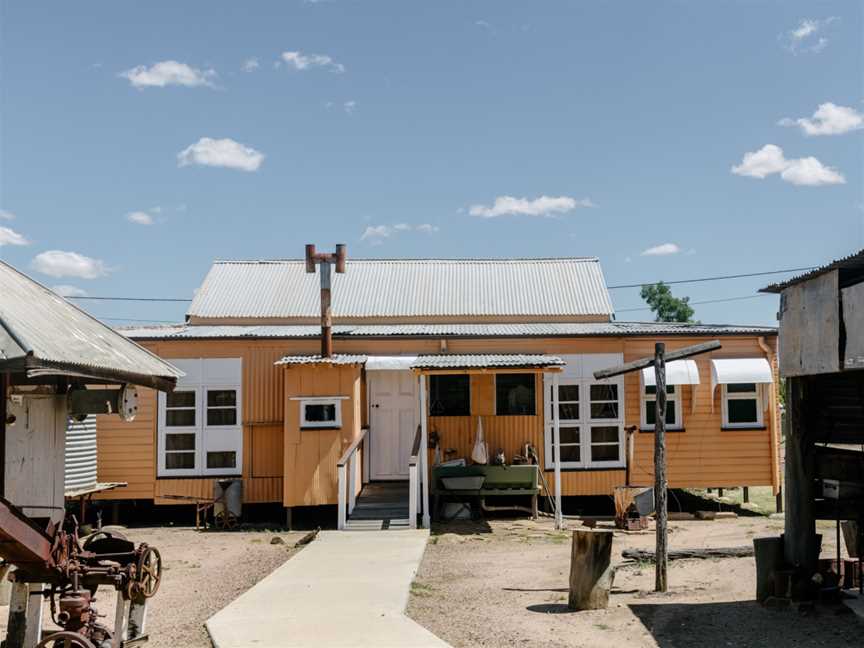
[[660, 482], [800, 534], [591, 572]]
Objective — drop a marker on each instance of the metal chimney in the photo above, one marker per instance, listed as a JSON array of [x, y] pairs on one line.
[[325, 261]]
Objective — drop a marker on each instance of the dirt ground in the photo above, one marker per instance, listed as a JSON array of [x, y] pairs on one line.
[[504, 583], [203, 572]]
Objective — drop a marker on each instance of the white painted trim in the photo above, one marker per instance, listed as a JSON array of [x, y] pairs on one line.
[[424, 452], [337, 408], [318, 398], [757, 395], [556, 439], [390, 363], [675, 397]]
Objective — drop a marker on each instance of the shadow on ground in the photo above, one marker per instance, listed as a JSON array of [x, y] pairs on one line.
[[688, 502], [461, 527], [746, 623]]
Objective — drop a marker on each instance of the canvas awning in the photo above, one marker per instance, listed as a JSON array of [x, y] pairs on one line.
[[726, 371], [390, 363], [678, 372]]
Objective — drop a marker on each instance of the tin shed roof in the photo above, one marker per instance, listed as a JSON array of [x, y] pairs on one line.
[[486, 361], [851, 271], [42, 333], [395, 288], [335, 359]]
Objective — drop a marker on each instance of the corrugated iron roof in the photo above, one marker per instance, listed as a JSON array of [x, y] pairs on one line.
[[335, 359], [486, 360], [42, 332], [852, 264], [395, 288], [551, 329]]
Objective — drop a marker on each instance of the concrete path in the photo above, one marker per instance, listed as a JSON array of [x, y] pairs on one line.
[[347, 588]]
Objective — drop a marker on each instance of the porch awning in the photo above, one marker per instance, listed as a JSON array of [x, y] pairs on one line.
[[483, 361], [740, 370], [678, 372], [336, 359], [390, 363]]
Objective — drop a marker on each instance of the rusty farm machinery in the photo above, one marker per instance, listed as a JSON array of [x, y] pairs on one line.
[[53, 564]]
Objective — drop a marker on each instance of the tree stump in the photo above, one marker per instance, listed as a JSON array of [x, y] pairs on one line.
[[591, 572]]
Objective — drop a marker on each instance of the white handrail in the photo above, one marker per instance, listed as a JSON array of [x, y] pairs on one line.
[[346, 477], [413, 482]]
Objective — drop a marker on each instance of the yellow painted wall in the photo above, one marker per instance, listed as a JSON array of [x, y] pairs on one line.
[[275, 448]]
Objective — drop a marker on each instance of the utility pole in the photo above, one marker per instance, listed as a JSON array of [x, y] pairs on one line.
[[325, 261], [658, 361]]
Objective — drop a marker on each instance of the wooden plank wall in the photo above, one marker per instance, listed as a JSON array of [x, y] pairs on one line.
[[703, 455], [810, 326]]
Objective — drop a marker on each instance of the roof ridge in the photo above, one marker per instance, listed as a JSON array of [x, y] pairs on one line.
[[421, 260]]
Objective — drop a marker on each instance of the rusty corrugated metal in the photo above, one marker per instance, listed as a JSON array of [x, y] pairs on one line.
[[407, 288], [42, 332]]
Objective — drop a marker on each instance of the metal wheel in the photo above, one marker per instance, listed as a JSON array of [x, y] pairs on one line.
[[226, 520], [65, 639], [148, 575]]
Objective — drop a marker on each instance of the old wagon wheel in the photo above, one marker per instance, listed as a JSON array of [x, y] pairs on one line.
[[226, 520], [148, 575], [65, 639]]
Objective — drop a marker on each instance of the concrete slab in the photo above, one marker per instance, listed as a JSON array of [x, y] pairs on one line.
[[347, 588], [855, 604]]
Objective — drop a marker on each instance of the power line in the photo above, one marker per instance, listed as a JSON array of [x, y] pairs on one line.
[[718, 278], [695, 303]]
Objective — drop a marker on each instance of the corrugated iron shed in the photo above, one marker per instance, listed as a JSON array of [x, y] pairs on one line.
[[396, 288], [40, 332], [486, 360], [550, 329], [851, 271]]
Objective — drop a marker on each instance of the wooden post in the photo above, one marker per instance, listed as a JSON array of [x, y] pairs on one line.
[[800, 533], [745, 494], [556, 448], [591, 572], [16, 628], [424, 454], [660, 583]]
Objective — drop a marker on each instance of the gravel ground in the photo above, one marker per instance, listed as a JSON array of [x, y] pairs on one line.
[[505, 584], [204, 571]]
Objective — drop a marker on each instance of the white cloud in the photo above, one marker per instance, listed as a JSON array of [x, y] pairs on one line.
[[6, 215], [542, 206], [221, 153], [8, 236], [808, 36], [250, 64], [167, 73], [349, 107], [376, 234], [812, 173], [663, 249], [65, 290], [770, 160], [300, 61], [139, 218], [57, 263], [829, 119]]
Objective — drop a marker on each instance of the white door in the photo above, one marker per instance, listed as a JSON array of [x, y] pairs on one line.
[[393, 422]]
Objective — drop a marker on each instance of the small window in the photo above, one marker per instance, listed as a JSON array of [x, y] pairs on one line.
[[605, 445], [673, 407], [604, 401], [221, 407], [180, 451], [570, 443], [180, 408], [320, 413], [449, 395], [568, 403], [221, 460], [742, 405], [514, 395]]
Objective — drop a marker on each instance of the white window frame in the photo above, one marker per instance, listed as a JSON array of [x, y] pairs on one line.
[[756, 395], [579, 372], [227, 375], [336, 401], [646, 398]]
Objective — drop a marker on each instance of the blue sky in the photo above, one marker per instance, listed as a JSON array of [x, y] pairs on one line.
[[151, 138]]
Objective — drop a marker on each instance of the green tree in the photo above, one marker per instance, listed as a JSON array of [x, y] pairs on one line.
[[665, 306]]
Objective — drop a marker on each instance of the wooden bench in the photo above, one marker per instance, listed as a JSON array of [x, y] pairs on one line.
[[498, 481]]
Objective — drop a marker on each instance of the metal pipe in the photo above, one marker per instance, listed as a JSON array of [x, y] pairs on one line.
[[326, 313], [4, 379]]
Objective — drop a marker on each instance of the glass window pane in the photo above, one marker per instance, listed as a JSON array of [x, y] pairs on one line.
[[604, 392], [743, 410], [180, 399], [570, 453], [568, 393], [670, 412], [650, 412], [450, 395], [222, 416], [221, 398], [569, 434], [569, 411], [320, 412], [607, 434], [180, 460], [651, 390], [179, 441], [221, 459], [604, 410], [603, 453], [180, 418], [514, 394], [741, 388]]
